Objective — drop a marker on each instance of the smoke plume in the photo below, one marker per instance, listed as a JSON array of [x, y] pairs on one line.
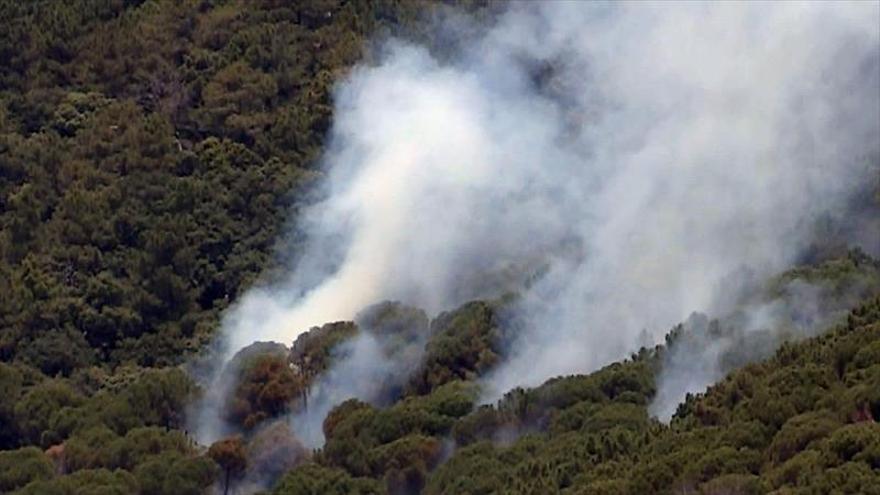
[[700, 351], [638, 153]]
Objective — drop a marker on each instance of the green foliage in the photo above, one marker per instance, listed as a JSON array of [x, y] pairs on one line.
[[614, 396], [41, 413], [133, 398], [88, 482], [464, 344], [160, 397], [400, 444], [59, 352], [151, 152], [475, 469], [171, 473], [20, 467], [162, 461], [311, 479], [744, 484], [799, 432], [802, 421], [107, 426], [852, 277]]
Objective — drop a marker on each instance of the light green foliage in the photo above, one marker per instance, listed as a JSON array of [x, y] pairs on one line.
[[100, 447]]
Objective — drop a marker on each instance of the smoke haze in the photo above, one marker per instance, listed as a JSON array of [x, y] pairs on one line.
[[638, 153], [701, 352]]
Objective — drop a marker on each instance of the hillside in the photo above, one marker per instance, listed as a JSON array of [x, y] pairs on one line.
[[151, 154], [802, 421], [173, 173]]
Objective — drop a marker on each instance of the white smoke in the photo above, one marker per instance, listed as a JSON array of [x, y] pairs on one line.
[[720, 131], [642, 152], [704, 352], [362, 371]]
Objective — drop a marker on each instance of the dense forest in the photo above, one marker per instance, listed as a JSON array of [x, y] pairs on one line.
[[152, 153]]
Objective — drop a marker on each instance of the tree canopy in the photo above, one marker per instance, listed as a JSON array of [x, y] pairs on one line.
[[152, 153]]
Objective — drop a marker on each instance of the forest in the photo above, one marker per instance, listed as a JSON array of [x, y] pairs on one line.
[[152, 155]]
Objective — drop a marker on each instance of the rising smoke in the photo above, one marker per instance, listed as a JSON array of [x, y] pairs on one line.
[[639, 153], [699, 352]]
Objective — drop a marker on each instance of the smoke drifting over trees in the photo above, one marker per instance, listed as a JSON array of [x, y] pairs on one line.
[[618, 165], [400, 247]]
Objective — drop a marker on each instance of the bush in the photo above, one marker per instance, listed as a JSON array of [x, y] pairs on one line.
[[42, 409], [90, 481], [799, 432], [311, 479], [22, 466]]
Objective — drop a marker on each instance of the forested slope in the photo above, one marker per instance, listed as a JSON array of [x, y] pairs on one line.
[[802, 421], [151, 155]]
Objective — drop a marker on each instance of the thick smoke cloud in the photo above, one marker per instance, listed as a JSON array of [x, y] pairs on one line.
[[721, 132], [633, 154]]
